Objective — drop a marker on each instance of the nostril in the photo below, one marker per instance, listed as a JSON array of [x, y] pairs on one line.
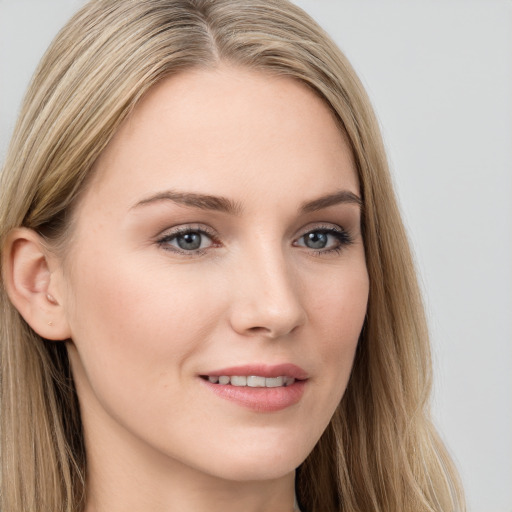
[[259, 330], [269, 332]]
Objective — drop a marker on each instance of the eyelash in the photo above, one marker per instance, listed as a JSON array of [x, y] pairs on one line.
[[165, 240], [342, 236]]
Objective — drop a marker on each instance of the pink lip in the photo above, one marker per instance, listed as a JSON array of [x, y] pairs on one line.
[[264, 370], [261, 399]]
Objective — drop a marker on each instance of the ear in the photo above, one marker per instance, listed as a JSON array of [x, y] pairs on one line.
[[32, 277]]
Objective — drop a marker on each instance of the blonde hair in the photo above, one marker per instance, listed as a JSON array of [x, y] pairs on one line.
[[380, 451]]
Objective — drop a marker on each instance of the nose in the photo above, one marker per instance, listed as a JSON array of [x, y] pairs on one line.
[[267, 297]]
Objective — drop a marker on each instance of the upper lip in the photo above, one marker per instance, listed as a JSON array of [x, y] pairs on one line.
[[263, 370]]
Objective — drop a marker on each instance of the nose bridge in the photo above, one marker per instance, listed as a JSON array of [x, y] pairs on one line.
[[268, 301]]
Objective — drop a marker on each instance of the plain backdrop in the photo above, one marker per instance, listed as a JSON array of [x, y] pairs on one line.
[[440, 77]]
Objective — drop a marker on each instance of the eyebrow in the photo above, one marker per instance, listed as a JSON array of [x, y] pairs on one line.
[[201, 201], [342, 196], [223, 204]]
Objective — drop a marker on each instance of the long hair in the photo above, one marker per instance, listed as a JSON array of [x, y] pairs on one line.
[[380, 451]]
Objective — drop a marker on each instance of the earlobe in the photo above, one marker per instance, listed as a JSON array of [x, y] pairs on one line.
[[31, 284]]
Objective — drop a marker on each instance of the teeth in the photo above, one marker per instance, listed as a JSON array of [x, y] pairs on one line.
[[274, 382], [252, 381], [239, 381], [288, 381]]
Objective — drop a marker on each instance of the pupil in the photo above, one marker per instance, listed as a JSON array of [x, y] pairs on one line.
[[189, 241], [316, 240]]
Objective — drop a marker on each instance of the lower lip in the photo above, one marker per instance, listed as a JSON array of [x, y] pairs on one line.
[[260, 399]]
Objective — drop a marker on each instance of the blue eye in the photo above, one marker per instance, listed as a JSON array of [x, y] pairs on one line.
[[316, 240], [187, 240], [324, 240]]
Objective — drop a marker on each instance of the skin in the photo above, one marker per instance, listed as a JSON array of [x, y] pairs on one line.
[[146, 319]]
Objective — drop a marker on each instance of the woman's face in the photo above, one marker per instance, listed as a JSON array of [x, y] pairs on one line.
[[219, 240]]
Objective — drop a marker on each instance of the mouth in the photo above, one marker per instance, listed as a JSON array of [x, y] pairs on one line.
[[261, 388], [250, 381]]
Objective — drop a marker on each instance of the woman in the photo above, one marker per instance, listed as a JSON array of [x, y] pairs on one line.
[[206, 282]]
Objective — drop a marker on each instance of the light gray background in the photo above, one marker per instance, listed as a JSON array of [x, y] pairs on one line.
[[440, 77]]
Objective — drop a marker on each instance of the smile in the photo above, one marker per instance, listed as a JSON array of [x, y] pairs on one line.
[[259, 387], [251, 381]]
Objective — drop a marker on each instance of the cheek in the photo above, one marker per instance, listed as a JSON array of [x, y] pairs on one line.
[[339, 313], [121, 299], [137, 324], [340, 304]]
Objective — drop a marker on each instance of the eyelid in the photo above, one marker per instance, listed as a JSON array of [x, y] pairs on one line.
[[322, 227], [187, 228], [343, 236], [171, 233]]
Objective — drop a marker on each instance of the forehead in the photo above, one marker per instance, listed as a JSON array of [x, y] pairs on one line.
[[228, 131]]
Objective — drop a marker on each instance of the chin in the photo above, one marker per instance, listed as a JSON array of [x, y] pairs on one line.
[[261, 460], [255, 470]]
